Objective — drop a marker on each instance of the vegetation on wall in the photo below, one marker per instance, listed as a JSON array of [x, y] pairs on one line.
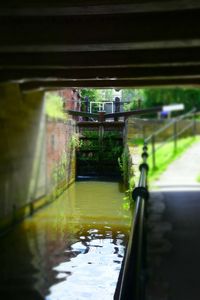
[[128, 175], [98, 153], [59, 170], [54, 106], [110, 149]]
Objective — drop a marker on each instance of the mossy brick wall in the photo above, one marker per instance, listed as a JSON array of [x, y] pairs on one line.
[[25, 180], [60, 153]]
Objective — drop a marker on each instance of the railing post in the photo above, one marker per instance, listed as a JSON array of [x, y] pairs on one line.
[[175, 136], [194, 124], [153, 151]]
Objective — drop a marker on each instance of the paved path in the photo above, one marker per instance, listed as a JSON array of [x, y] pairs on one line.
[[174, 231], [183, 172]]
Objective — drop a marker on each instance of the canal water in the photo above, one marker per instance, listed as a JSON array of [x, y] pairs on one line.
[[69, 250]]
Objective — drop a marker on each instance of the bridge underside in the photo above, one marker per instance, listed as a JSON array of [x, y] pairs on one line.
[[97, 43]]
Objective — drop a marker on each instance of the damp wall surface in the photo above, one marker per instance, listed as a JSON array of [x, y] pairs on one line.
[[37, 159]]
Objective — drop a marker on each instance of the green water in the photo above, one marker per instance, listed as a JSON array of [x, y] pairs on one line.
[[70, 250]]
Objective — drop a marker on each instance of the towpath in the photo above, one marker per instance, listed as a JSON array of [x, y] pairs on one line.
[[174, 229]]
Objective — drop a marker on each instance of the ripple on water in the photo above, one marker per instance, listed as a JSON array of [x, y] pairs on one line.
[[71, 249], [94, 271]]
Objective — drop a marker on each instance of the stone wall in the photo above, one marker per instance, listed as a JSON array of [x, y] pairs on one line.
[[36, 158]]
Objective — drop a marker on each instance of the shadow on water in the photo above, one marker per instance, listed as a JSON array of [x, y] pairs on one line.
[[70, 250], [17, 270]]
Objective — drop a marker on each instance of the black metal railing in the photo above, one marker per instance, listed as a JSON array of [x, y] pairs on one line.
[[131, 283], [176, 133]]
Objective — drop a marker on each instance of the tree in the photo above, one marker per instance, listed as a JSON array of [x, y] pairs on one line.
[[164, 96], [92, 94], [107, 94], [132, 95]]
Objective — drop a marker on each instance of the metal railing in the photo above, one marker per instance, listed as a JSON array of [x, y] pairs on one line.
[[131, 283], [152, 139]]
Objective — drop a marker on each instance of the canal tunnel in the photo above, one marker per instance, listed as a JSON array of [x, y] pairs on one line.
[[72, 44], [87, 227]]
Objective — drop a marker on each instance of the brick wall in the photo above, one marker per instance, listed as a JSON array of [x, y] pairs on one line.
[[59, 156], [36, 158]]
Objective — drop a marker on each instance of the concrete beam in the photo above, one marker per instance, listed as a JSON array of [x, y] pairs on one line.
[[103, 73], [77, 7], [61, 84], [104, 59], [94, 32]]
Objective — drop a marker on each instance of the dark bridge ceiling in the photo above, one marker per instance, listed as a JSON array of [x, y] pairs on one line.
[[95, 43]]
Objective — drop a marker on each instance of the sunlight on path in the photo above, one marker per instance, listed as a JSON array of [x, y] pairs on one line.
[[182, 173]]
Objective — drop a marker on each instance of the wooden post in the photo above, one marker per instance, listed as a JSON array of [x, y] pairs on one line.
[[139, 103], [101, 116], [117, 107], [194, 124], [86, 107], [153, 152], [175, 136]]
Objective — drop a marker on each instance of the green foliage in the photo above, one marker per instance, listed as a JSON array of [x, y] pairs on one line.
[[162, 96], [92, 94], [124, 166], [112, 134], [54, 106], [128, 177], [109, 148], [126, 201], [155, 97], [108, 94], [98, 94], [75, 142], [132, 95], [198, 178], [90, 134], [95, 134]]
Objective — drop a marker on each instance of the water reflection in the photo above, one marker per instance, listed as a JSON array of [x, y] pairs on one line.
[[93, 272], [70, 250]]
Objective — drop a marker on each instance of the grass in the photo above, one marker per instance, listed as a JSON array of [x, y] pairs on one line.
[[198, 178], [166, 155]]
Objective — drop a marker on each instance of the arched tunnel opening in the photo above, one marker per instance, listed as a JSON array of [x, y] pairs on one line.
[[82, 229], [142, 57]]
